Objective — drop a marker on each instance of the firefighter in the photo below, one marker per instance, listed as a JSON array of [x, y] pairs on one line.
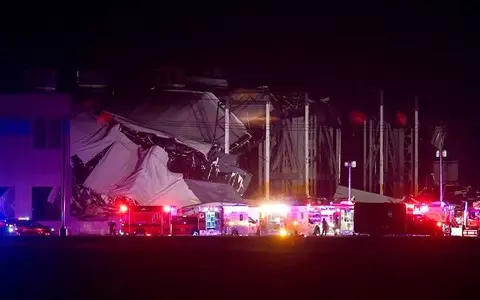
[[324, 227], [112, 227]]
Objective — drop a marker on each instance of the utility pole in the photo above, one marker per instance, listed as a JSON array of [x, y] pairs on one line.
[[307, 156], [382, 130], [441, 154], [350, 165]]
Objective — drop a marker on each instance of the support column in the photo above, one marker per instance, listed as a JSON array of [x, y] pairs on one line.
[[382, 132], [307, 156], [415, 155], [267, 150], [365, 163], [227, 126]]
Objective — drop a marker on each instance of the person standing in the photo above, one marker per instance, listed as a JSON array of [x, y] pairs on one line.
[[324, 227], [113, 227]]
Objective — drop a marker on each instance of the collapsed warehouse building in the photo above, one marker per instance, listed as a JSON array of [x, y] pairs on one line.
[[169, 148]]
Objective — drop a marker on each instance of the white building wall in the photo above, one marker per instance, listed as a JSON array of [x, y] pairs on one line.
[[21, 165]]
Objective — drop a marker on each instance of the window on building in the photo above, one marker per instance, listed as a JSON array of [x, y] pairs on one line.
[[7, 198], [45, 203], [47, 134]]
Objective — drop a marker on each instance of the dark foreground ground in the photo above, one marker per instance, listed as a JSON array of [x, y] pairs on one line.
[[239, 268]]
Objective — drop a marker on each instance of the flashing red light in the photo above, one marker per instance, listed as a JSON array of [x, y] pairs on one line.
[[123, 208], [439, 224], [167, 209]]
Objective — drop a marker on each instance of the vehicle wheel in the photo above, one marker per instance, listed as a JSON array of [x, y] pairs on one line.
[[234, 232], [195, 233], [316, 232]]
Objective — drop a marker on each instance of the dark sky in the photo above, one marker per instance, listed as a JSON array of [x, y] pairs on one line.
[[346, 52]]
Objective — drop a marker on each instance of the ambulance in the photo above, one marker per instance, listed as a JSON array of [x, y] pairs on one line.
[[279, 219], [220, 218]]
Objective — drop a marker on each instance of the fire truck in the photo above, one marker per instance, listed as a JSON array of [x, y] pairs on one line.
[[464, 221], [220, 218], [444, 219], [471, 221], [423, 219], [156, 221]]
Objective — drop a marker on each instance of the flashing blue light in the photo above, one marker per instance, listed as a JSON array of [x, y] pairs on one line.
[[10, 229]]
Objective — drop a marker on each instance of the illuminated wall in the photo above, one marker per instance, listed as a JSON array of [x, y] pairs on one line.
[[31, 127]]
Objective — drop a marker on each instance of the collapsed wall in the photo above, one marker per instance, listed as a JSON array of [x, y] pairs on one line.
[[155, 153]]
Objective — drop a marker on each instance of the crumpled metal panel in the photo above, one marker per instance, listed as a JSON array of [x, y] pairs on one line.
[[201, 169], [188, 116]]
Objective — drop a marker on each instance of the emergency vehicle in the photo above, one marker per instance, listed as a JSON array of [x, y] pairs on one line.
[[220, 218], [339, 218], [146, 220], [156, 221], [423, 219], [472, 220], [280, 219], [464, 221]]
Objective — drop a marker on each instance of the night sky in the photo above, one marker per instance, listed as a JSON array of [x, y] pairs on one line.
[[345, 52]]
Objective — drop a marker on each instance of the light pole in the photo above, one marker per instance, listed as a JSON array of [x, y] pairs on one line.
[[441, 154], [350, 165]]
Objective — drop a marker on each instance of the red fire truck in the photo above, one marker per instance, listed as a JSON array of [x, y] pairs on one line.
[[156, 221]]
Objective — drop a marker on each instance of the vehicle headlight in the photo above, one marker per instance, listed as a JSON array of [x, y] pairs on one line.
[[283, 232]]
